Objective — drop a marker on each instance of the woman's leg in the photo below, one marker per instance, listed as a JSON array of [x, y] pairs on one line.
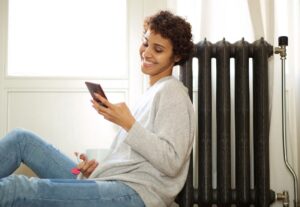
[[23, 146], [20, 191]]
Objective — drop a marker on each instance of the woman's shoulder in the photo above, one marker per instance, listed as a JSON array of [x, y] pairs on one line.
[[171, 86], [172, 91]]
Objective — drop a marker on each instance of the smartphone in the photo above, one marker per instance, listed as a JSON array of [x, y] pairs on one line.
[[95, 88]]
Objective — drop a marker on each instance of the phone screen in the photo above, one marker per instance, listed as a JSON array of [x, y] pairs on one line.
[[95, 88]]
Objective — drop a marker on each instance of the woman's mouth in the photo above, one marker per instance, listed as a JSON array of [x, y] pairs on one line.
[[147, 63]]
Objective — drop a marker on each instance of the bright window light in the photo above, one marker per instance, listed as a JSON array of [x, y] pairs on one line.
[[217, 19], [67, 38]]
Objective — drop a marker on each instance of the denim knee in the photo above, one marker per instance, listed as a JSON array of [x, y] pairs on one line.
[[18, 133], [21, 136]]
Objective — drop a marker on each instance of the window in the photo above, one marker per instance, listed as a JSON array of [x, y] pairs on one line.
[[217, 19], [67, 38]]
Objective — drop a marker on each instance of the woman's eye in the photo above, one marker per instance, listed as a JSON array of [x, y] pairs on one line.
[[158, 50]]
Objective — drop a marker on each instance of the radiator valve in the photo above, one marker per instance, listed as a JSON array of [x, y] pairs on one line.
[[283, 42], [284, 197]]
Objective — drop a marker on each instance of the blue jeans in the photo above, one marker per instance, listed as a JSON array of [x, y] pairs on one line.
[[56, 186]]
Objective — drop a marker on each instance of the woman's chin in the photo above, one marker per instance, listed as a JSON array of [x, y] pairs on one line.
[[145, 70]]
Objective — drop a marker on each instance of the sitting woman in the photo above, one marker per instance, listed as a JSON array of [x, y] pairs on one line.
[[149, 158]]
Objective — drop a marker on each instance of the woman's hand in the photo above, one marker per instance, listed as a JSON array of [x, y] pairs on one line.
[[116, 113], [86, 167]]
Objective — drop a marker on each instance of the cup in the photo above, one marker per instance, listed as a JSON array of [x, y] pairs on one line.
[[99, 154]]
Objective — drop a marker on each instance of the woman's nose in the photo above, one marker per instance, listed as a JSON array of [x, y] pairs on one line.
[[146, 52]]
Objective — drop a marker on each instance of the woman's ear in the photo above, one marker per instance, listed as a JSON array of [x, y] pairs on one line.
[[177, 58]]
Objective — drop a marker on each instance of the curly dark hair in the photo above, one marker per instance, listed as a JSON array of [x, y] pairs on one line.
[[175, 28]]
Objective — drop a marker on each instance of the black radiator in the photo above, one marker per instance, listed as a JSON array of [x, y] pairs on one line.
[[243, 194]]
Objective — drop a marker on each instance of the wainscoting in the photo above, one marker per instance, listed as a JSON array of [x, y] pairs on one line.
[[64, 117]]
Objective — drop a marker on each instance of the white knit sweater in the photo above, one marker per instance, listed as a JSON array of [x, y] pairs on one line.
[[153, 156]]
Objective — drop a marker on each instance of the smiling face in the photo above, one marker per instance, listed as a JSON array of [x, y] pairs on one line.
[[157, 59]]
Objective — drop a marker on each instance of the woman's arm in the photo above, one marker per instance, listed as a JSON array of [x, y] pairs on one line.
[[168, 145]]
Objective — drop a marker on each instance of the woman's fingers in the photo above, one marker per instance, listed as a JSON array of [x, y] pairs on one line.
[[87, 167], [83, 157], [104, 101], [91, 168]]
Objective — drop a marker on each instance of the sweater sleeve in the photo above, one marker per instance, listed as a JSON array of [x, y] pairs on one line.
[[168, 145]]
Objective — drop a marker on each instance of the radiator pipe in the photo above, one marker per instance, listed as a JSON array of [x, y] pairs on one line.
[[281, 50]]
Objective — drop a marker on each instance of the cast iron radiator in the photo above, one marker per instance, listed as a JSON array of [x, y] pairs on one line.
[[242, 194]]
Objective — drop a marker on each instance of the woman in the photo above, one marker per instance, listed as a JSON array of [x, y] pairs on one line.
[[149, 158]]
